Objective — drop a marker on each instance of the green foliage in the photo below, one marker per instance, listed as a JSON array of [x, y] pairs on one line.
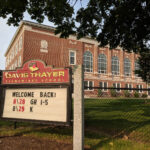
[[117, 23], [136, 95], [107, 122], [127, 93], [144, 95], [99, 93], [144, 65], [113, 93]]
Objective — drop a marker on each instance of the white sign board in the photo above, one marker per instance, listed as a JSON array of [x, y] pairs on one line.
[[36, 104]]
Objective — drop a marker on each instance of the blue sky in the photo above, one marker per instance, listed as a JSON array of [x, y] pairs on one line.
[[7, 32]]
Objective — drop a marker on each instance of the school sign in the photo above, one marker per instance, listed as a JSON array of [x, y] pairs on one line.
[[36, 93]]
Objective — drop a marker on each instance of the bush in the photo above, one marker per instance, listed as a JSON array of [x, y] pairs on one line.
[[144, 95], [136, 95], [113, 93], [100, 93], [127, 94]]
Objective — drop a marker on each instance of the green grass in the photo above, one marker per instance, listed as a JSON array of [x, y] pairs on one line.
[[110, 124]]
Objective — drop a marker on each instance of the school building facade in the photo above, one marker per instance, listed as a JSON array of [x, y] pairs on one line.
[[102, 67]]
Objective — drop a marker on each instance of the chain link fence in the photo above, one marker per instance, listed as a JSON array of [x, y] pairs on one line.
[[118, 113]]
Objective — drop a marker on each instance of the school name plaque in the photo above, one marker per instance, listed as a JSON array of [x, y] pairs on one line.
[[42, 104]]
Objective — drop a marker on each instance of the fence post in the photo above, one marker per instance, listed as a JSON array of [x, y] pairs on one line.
[[78, 124]]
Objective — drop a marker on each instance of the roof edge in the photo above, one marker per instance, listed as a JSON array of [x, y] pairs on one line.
[[24, 22]]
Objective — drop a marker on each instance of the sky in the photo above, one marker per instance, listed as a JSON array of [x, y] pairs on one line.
[[7, 32]]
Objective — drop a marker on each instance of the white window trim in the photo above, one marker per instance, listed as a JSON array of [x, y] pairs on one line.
[[129, 87], [116, 87], [92, 62], [88, 86], [74, 56], [106, 90], [140, 88]]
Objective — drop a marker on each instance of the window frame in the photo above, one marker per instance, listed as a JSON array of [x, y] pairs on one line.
[[116, 86], [103, 83], [102, 63], [140, 87], [128, 86], [88, 83], [113, 65], [72, 51], [127, 67], [90, 61]]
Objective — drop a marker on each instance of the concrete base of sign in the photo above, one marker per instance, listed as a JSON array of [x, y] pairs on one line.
[[78, 124]]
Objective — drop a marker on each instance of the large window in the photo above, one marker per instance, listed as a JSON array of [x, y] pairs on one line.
[[136, 67], [115, 65], [127, 67], [88, 62], [102, 63]]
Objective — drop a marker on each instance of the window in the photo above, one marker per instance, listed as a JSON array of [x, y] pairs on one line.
[[10, 57], [136, 67], [129, 86], [44, 46], [88, 62], [103, 85], [127, 67], [72, 57], [102, 63], [16, 49], [139, 88], [20, 43], [117, 85], [12, 53], [88, 85], [15, 64], [19, 61], [115, 65]]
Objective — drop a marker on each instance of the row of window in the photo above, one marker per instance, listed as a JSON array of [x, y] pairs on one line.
[[14, 51], [90, 84], [102, 64], [16, 64]]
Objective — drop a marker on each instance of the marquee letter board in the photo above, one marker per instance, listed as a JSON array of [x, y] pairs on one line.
[[37, 93]]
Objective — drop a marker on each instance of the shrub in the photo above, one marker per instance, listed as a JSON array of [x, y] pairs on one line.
[[127, 94], [113, 93], [144, 95], [136, 95], [99, 93]]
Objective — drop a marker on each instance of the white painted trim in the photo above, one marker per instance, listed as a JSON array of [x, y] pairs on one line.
[[74, 51]]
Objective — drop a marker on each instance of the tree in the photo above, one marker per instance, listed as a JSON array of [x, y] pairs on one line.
[[124, 23]]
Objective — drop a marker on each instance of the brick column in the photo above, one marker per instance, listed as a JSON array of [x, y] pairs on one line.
[[109, 61], [132, 65], [95, 60], [121, 63]]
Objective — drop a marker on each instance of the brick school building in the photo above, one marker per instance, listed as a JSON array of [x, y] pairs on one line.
[[102, 67]]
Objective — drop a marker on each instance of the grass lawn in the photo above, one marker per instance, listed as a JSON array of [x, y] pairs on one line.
[[110, 124]]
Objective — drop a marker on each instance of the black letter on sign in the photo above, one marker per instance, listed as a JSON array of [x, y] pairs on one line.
[[31, 109]]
